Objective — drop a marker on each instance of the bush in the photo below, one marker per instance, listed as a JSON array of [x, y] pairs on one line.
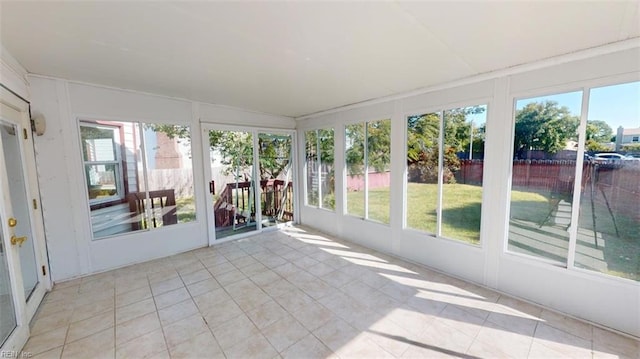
[[425, 169]]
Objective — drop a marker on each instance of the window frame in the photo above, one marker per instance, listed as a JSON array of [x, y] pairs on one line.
[[117, 144], [140, 167], [535, 93], [440, 111], [365, 170], [318, 167], [586, 87]]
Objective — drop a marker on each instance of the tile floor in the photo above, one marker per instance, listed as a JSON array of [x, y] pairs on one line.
[[300, 294]]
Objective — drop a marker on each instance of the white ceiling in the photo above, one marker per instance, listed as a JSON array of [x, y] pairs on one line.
[[296, 58]]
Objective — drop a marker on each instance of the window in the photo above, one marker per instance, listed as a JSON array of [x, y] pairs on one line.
[[102, 165], [445, 159], [368, 186], [423, 159], [276, 177], [462, 173], [169, 174], [608, 228], [319, 168], [548, 179], [543, 173], [138, 176], [635, 139], [312, 164], [355, 158]]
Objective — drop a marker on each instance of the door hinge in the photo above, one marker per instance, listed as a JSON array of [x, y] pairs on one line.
[[44, 270], [35, 204], [24, 133]]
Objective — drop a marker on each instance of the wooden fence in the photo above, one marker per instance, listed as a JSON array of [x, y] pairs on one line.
[[615, 184]]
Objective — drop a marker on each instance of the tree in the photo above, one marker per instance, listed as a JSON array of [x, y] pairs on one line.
[[275, 154], [319, 146], [423, 153], [598, 133], [423, 137], [378, 139], [543, 126], [354, 155], [423, 134], [379, 145], [235, 149]]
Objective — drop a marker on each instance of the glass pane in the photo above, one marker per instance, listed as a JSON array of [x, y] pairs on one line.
[[327, 170], [378, 166], [102, 180], [20, 205], [544, 165], [276, 175], [311, 166], [464, 130], [609, 224], [354, 157], [235, 198], [7, 311], [115, 179], [169, 174], [423, 133], [98, 143]]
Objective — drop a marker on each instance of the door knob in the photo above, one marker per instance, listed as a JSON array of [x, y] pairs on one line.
[[18, 240], [12, 222]]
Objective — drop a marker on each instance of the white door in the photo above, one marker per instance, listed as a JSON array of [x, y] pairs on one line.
[[235, 209], [251, 180], [23, 267]]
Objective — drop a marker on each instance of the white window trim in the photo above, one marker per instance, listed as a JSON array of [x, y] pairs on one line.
[[117, 141]]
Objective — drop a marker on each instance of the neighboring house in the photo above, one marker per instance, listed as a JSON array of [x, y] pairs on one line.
[[627, 136]]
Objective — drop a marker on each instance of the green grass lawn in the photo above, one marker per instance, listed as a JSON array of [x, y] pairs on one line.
[[186, 209], [378, 204], [460, 212]]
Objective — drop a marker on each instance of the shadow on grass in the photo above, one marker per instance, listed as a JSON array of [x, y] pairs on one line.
[[462, 222], [622, 256]]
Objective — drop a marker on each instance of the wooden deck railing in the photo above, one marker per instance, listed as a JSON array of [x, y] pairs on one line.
[[235, 201]]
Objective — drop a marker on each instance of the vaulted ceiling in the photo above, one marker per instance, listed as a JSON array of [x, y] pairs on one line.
[[295, 58]]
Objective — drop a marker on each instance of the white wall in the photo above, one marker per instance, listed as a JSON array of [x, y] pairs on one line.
[[12, 74], [64, 200], [609, 301]]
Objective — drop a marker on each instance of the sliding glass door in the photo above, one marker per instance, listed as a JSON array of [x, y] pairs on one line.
[[232, 182], [250, 178], [276, 178]]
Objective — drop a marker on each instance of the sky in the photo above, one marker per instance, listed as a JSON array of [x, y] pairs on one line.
[[617, 105]]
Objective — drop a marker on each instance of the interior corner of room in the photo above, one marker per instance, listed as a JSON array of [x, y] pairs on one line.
[[510, 159]]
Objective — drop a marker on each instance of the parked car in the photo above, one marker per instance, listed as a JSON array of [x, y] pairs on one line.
[[612, 157]]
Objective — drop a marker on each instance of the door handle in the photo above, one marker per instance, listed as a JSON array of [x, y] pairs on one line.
[[18, 240]]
